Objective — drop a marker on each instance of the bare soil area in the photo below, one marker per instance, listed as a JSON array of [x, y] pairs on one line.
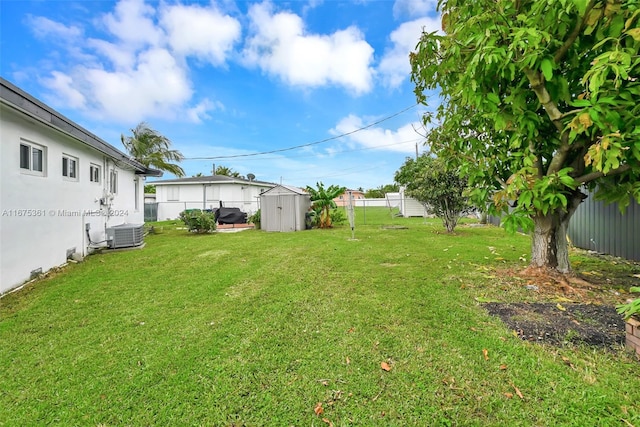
[[560, 324], [576, 309]]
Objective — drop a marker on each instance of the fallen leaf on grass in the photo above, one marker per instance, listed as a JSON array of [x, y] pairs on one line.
[[560, 307], [518, 392], [567, 362], [328, 422], [385, 366], [485, 353], [508, 395], [318, 409], [503, 367], [348, 360]]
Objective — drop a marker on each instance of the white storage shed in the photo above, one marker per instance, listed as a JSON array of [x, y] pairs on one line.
[[283, 208]]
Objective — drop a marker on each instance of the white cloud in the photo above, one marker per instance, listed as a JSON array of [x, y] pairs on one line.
[[402, 139], [46, 28], [394, 66], [201, 32], [156, 87], [281, 47], [201, 111], [66, 89], [121, 57], [132, 22], [136, 69], [414, 8]]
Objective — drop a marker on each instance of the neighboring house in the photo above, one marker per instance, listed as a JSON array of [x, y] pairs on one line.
[[283, 208], [343, 199], [61, 188], [408, 206], [207, 192]]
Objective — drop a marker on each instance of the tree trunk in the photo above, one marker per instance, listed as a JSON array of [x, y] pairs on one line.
[[549, 247]]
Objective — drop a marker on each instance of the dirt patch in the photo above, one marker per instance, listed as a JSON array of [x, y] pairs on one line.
[[563, 309], [560, 324]]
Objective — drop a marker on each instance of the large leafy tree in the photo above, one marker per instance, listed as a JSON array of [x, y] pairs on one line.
[[152, 149], [322, 201], [544, 97], [436, 185]]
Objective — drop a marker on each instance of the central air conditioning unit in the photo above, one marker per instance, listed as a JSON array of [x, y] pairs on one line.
[[125, 235]]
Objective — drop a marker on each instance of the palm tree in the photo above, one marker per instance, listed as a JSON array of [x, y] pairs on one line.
[[223, 170], [322, 200], [152, 149]]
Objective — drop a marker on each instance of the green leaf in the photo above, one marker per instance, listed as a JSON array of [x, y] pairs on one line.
[[581, 5], [547, 68], [635, 33]]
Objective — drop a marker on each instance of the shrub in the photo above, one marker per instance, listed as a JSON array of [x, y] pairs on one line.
[[255, 218], [198, 221], [338, 216], [311, 219], [632, 308]]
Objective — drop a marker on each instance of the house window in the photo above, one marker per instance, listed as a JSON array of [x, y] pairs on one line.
[[113, 181], [70, 167], [32, 158], [213, 193], [94, 173], [173, 193]]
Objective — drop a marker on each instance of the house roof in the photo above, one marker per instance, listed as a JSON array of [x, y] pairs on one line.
[[20, 100], [289, 188], [212, 179]]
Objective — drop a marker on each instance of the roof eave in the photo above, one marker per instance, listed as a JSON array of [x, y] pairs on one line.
[[16, 98]]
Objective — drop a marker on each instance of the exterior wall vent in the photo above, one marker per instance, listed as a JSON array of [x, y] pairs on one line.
[[125, 235], [35, 273]]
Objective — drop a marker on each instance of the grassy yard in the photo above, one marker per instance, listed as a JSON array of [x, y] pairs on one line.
[[281, 329]]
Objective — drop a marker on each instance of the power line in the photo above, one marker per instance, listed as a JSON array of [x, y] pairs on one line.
[[375, 147], [304, 145]]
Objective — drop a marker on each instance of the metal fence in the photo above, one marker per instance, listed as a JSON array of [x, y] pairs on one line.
[[150, 212], [602, 228]]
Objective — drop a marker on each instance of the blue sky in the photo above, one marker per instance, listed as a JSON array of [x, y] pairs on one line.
[[225, 80]]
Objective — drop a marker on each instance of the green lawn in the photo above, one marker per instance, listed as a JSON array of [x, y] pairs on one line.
[[257, 328]]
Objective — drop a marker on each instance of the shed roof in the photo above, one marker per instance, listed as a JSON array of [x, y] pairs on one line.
[[289, 189], [20, 100]]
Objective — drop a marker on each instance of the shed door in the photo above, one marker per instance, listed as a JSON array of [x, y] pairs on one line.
[[286, 213]]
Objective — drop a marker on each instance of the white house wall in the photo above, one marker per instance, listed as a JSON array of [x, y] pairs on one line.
[[410, 207], [43, 217], [205, 196]]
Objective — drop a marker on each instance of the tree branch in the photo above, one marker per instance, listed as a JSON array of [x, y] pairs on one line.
[[574, 34], [536, 80], [569, 113], [595, 175], [537, 164]]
